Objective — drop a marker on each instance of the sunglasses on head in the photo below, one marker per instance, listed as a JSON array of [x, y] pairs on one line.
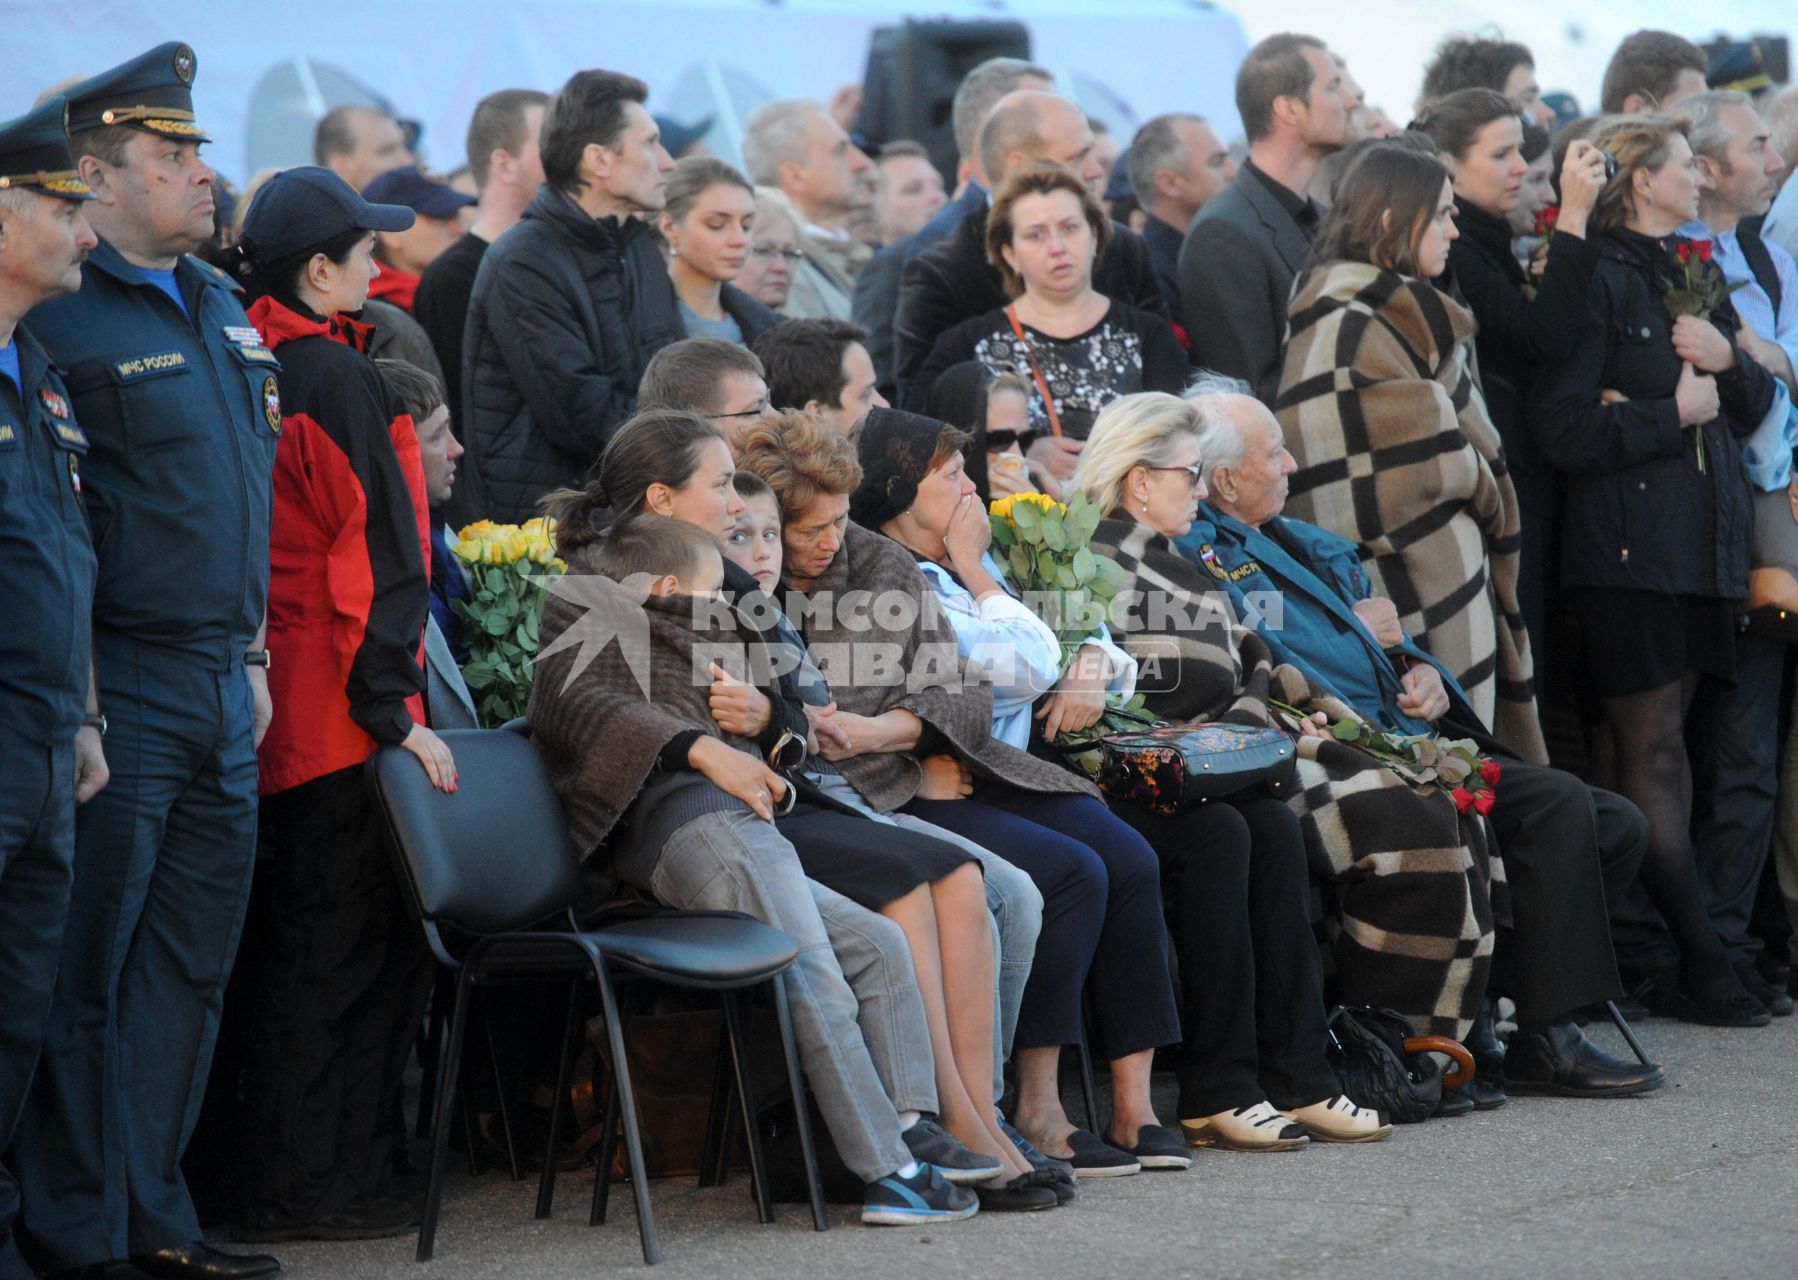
[[1000, 441]]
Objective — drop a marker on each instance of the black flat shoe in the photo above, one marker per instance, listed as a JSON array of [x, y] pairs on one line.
[[1776, 1002], [1486, 1094], [1558, 1061], [1158, 1147], [1027, 1193], [1719, 1003], [198, 1260], [1455, 1102]]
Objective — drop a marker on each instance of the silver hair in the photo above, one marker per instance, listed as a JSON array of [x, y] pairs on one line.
[[1220, 435], [980, 91], [1703, 114], [777, 132], [1157, 146], [1145, 429]]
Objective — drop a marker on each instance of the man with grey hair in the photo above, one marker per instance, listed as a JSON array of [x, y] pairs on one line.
[[952, 281], [1733, 723], [1781, 226], [793, 144], [1176, 164], [1566, 846], [876, 301]]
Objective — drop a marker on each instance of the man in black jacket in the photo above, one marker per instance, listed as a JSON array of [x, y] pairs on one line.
[[952, 281], [570, 304], [1245, 247], [1177, 164]]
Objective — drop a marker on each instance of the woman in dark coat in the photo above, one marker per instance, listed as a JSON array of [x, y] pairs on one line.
[[1480, 130], [1647, 418]]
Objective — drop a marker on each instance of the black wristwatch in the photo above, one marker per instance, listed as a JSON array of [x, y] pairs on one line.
[[256, 658], [94, 720]]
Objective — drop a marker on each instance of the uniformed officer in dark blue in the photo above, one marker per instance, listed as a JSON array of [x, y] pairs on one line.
[[176, 395], [44, 685]]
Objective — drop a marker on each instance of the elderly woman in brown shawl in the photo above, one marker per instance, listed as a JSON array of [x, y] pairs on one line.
[[1412, 876], [914, 728], [1394, 448]]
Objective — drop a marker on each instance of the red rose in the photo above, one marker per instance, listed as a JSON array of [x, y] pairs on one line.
[[1463, 799], [1684, 252], [1489, 770], [1704, 250], [1545, 221], [1483, 802]]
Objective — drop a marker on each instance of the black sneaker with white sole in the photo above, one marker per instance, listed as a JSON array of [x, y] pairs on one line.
[[895, 1201], [934, 1145], [1158, 1147], [1096, 1158]]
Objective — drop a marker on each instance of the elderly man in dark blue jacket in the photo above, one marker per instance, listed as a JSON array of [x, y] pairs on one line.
[[568, 305], [1564, 844]]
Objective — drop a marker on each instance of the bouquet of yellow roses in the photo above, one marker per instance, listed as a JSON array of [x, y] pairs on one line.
[[1044, 548], [503, 564]]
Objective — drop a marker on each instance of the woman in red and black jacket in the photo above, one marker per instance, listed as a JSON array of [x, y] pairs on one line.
[[346, 972]]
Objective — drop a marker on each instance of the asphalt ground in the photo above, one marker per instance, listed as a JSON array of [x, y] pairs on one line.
[[1698, 1180]]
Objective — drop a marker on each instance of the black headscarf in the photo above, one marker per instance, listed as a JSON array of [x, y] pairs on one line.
[[895, 449]]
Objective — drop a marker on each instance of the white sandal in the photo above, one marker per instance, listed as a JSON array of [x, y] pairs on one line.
[[1337, 1119], [1257, 1128]]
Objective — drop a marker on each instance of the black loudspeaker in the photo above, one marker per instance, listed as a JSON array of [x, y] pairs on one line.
[[913, 71]]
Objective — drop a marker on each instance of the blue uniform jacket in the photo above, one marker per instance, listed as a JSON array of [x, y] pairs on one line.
[[182, 416], [1296, 584], [44, 546]]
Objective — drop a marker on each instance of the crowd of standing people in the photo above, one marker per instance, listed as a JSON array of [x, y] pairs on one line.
[[1498, 408]]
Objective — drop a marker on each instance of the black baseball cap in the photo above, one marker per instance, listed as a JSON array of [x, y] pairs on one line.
[[425, 196], [299, 208]]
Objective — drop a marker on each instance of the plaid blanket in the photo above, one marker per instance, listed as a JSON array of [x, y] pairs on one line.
[[1412, 881], [1396, 453]]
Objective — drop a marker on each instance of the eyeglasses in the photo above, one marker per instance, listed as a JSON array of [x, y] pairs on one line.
[[1194, 473], [1000, 441], [756, 412], [767, 253]]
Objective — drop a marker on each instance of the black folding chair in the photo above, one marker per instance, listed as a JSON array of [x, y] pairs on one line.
[[495, 877]]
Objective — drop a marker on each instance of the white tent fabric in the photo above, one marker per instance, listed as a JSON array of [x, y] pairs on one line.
[[433, 59]]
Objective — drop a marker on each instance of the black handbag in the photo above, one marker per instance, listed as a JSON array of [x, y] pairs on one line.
[[1382, 1066], [1170, 768]]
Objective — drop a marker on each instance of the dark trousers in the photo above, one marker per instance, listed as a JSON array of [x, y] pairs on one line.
[[1102, 919], [1251, 982], [1567, 847], [37, 851], [1732, 739], [345, 977], [162, 871]]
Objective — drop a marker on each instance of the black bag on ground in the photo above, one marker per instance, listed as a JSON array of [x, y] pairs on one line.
[[1382, 1065]]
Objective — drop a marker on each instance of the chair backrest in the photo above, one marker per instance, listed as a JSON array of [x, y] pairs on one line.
[[493, 855]]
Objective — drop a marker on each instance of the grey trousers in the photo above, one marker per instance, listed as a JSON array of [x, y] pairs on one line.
[[731, 860], [1012, 898]]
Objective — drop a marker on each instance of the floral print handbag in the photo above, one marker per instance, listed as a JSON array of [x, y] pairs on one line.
[[1170, 768]]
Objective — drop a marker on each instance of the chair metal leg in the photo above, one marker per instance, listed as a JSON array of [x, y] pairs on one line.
[[558, 1107], [430, 1048], [627, 1108], [1088, 1088], [608, 1147], [499, 1093], [471, 1135], [796, 1085], [448, 1068], [714, 1157], [739, 1058], [1629, 1035]]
